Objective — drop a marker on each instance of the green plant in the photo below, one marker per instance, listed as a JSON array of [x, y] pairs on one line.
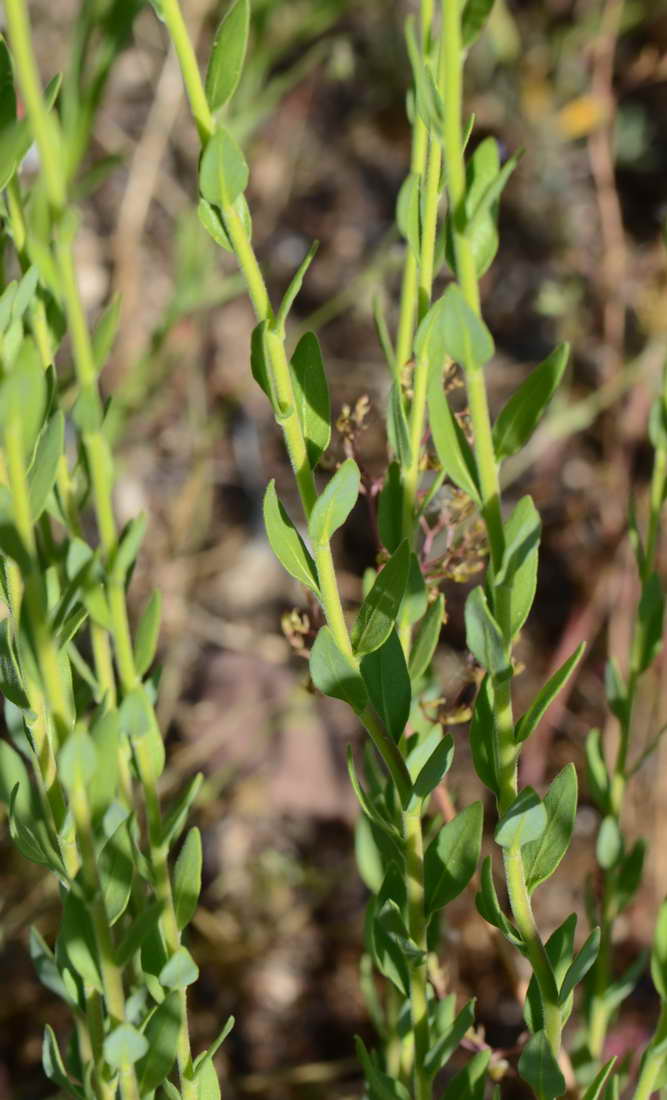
[[89, 731], [78, 687]]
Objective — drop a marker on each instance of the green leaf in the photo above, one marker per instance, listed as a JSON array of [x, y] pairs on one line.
[[213, 221], [258, 363], [293, 289], [379, 610], [435, 768], [408, 213], [380, 1086], [518, 419], [44, 469], [124, 1046], [482, 735], [335, 674], [596, 1088], [76, 940], [541, 857], [128, 547], [596, 771], [106, 330], [415, 600], [609, 847], [463, 335], [453, 450], [650, 616], [488, 906], [162, 1031], [116, 866], [616, 690], [286, 542], [525, 820], [451, 858], [385, 674], [581, 965], [427, 639], [397, 427], [542, 701], [617, 991], [179, 971], [144, 925], [440, 1053], [187, 878], [390, 508], [311, 391], [335, 503], [227, 55], [371, 809], [484, 638], [53, 1065], [10, 680], [14, 776], [475, 15], [223, 172], [659, 953], [539, 1068], [468, 1083], [208, 1086], [520, 561], [23, 396], [77, 760], [148, 632], [559, 951], [174, 821], [629, 874], [139, 725]]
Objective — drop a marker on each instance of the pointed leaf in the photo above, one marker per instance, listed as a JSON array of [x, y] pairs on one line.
[[539, 1068], [335, 674], [541, 857], [379, 610], [518, 419], [187, 878], [453, 450], [538, 708], [452, 857], [227, 55], [427, 639], [313, 404], [286, 542], [335, 503], [525, 820], [387, 681]]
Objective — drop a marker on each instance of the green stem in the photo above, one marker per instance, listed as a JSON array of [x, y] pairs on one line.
[[43, 124], [178, 32], [652, 1062], [414, 864], [535, 950]]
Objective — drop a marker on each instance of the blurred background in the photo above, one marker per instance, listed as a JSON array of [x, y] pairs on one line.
[[582, 88]]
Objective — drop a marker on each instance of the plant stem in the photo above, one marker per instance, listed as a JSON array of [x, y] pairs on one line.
[[653, 1060], [178, 32], [414, 864]]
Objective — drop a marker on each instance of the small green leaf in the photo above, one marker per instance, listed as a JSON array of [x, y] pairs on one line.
[[518, 419], [596, 1088], [175, 819], [482, 735], [435, 768], [447, 1044], [525, 820], [10, 680], [596, 771], [559, 950], [223, 172], [116, 868], [390, 508], [522, 537], [415, 600], [427, 640], [451, 858], [311, 392], [469, 1082], [124, 1046], [53, 1065], [581, 965], [408, 213], [609, 848], [659, 953], [475, 15], [77, 760], [650, 617], [144, 925], [542, 701], [461, 333], [335, 503], [488, 905], [335, 674], [385, 675], [397, 427], [453, 450], [213, 221], [179, 971], [541, 857], [379, 610], [147, 635], [162, 1031], [42, 474], [483, 636], [105, 331], [293, 289], [23, 396], [187, 878], [128, 547], [539, 1068], [76, 941], [286, 542], [227, 55]]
